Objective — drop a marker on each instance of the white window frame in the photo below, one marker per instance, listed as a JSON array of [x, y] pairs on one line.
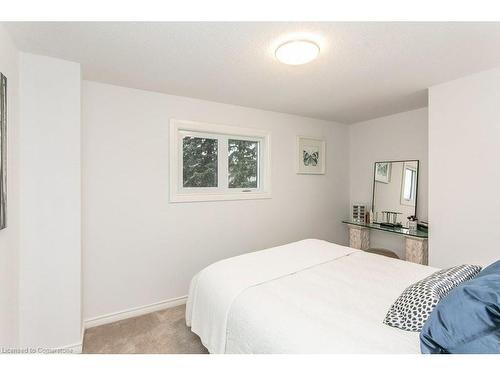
[[182, 128], [409, 202]]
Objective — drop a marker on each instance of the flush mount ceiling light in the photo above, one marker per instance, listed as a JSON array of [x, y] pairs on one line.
[[297, 52]]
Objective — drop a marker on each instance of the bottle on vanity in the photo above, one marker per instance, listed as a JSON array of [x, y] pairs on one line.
[[412, 223]]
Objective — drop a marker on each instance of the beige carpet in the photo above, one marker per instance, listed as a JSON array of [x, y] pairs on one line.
[[163, 331]]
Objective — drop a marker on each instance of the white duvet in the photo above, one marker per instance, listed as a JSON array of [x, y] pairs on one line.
[[310, 296]]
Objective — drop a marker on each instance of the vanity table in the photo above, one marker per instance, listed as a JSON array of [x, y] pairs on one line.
[[394, 203]]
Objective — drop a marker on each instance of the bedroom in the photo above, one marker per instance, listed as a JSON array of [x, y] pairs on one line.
[[248, 187]]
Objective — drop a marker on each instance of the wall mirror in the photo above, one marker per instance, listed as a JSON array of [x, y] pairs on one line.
[[395, 191]]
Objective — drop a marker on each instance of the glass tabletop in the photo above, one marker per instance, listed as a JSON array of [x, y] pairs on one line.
[[397, 230]]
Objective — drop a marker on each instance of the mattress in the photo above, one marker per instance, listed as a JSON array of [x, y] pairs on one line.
[[310, 296]]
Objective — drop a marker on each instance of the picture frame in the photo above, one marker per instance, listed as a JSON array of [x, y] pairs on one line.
[[311, 155], [383, 172], [3, 151]]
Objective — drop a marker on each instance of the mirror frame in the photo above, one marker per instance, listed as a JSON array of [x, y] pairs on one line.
[[3, 151], [397, 161]]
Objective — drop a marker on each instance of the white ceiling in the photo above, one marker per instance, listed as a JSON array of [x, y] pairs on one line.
[[365, 70]]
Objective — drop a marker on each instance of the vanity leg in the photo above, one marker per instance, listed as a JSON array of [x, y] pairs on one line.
[[417, 250], [359, 237]]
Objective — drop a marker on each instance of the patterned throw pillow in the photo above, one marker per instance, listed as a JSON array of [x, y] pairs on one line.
[[415, 304]]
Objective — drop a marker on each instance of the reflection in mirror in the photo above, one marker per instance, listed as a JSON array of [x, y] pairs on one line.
[[395, 187]]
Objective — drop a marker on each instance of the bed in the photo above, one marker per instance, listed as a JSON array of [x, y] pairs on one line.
[[310, 296]]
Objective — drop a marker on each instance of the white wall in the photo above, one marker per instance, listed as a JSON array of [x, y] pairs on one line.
[[140, 249], [50, 259], [9, 237], [464, 175], [401, 136]]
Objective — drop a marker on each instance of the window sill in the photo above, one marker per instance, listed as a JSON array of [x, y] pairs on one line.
[[180, 198]]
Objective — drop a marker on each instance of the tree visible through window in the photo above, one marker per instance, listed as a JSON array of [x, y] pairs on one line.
[[243, 163], [199, 162]]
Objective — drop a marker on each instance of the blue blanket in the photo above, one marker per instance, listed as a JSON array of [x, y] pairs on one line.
[[467, 320]]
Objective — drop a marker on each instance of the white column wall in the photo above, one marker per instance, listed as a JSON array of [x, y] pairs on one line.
[[50, 258]]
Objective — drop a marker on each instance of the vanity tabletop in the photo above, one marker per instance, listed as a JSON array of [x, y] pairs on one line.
[[396, 230]]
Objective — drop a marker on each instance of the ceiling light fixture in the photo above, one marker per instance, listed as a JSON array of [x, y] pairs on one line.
[[297, 52]]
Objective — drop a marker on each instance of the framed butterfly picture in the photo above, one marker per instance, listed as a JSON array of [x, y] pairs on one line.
[[311, 155]]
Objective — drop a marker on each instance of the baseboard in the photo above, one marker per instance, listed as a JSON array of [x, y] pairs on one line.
[[76, 348], [136, 311]]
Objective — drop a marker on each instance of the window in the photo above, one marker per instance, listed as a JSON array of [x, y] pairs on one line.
[[216, 162], [409, 184]]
